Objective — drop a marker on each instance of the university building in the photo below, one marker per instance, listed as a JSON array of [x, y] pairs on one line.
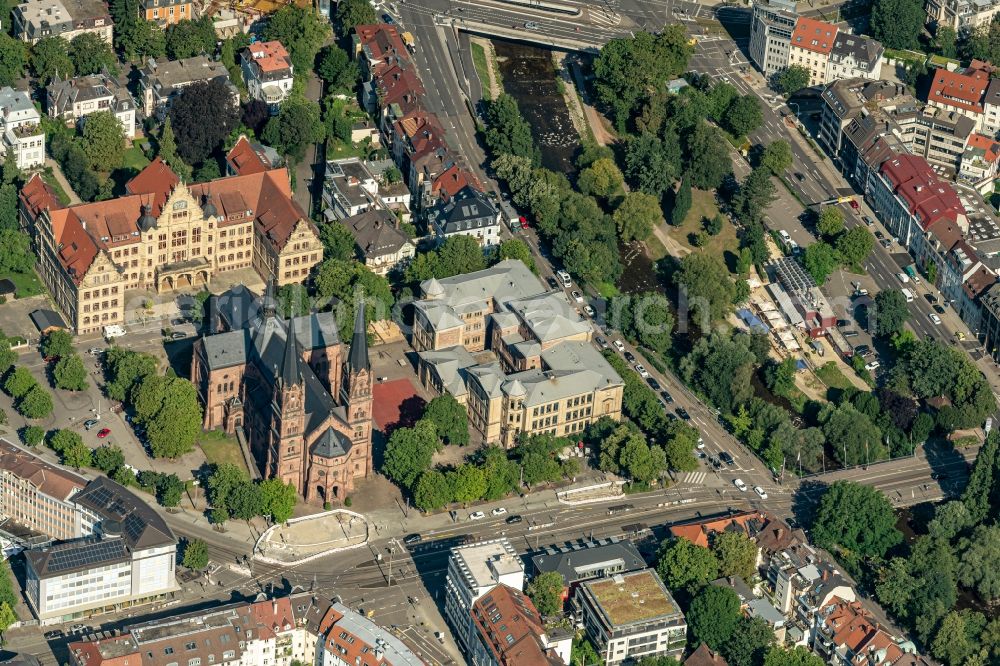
[[163, 235]]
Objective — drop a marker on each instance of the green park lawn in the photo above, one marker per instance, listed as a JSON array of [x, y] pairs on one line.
[[703, 206], [831, 375], [27, 284], [219, 448], [482, 69], [134, 159]]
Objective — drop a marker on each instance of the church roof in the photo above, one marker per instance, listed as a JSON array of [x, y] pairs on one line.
[[332, 444], [358, 360]]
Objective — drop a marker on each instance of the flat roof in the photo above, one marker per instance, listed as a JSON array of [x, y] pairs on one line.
[[634, 597]]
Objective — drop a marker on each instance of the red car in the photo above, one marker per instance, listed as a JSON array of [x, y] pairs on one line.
[[524, 222], [103, 432], [854, 204]]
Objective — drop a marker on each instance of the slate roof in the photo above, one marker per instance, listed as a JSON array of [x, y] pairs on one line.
[[468, 209], [375, 232], [142, 527], [582, 561]]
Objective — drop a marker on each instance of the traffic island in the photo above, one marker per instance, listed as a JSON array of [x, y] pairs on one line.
[[308, 538]]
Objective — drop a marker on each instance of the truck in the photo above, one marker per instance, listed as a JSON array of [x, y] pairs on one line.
[[409, 42]]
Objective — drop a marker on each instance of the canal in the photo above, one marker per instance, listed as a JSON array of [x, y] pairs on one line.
[[529, 77]]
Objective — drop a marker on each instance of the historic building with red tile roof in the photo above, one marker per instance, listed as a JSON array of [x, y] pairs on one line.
[[164, 234]]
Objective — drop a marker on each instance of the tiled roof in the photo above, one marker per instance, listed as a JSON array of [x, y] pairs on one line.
[[700, 532], [36, 196], [703, 656], [452, 180], [963, 90], [927, 196], [244, 160], [48, 479], [989, 146], [510, 628], [157, 179], [813, 35], [269, 56]]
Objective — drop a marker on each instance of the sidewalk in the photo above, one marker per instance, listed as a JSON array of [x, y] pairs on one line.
[[61, 179]]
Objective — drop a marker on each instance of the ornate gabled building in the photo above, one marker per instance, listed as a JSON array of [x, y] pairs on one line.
[[304, 405], [162, 235]]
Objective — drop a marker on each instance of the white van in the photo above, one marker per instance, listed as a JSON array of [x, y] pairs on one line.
[[113, 331], [564, 278], [908, 295]]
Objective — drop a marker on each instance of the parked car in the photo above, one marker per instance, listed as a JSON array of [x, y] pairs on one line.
[[601, 342], [742, 487], [667, 398], [931, 298], [477, 515], [854, 204], [862, 349], [903, 277], [872, 365], [841, 323], [577, 296], [939, 476], [869, 221], [641, 369], [939, 309], [55, 633], [619, 345], [760, 492], [681, 412], [511, 520], [552, 282], [90, 423], [886, 243], [936, 319], [411, 539], [103, 432], [589, 310], [799, 177], [879, 235], [499, 511], [653, 384], [386, 18], [701, 442], [177, 335], [630, 357]]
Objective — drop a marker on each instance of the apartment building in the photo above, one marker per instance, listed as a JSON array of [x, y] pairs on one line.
[[123, 555], [36, 19], [846, 634], [37, 495], [468, 213], [855, 56], [989, 328], [979, 162], [21, 128], [811, 44], [166, 13], [380, 241], [160, 81], [351, 186], [377, 48], [267, 632], [74, 99], [474, 570], [961, 15], [970, 92], [701, 532], [161, 235], [630, 616], [577, 562], [771, 27], [268, 73], [510, 632]]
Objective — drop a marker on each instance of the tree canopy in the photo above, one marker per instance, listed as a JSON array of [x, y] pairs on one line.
[[103, 140], [197, 139], [713, 615], [296, 126], [898, 24], [855, 519], [546, 592]]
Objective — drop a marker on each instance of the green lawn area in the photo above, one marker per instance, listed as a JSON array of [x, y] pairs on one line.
[[703, 206], [51, 181], [831, 375], [482, 69], [221, 448], [655, 248], [337, 150], [27, 284], [135, 159]]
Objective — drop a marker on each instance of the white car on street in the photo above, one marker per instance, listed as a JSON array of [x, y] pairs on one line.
[[477, 515], [874, 365], [742, 487], [589, 310], [935, 318], [641, 369], [577, 296], [760, 492], [499, 511], [903, 277], [619, 345]]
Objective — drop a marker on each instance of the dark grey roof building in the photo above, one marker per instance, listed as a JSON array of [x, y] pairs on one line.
[[579, 561], [469, 213], [379, 240]]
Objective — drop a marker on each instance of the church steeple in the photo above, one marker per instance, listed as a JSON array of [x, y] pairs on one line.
[[357, 392], [291, 365], [358, 359]]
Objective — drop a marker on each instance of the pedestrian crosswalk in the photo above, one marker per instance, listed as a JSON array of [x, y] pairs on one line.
[[694, 478]]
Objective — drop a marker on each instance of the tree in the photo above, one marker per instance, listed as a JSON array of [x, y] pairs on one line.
[[8, 198], [707, 162], [982, 481], [467, 483], [351, 13], [601, 179], [140, 40], [685, 566], [32, 435], [898, 24], [335, 67], [432, 491], [103, 140], [91, 54], [776, 156], [168, 408], [682, 203], [209, 170], [15, 251], [890, 312], [338, 243], [36, 404], [830, 222], [167, 151], [76, 455], [752, 198], [721, 366], [792, 79], [514, 248], [108, 458], [277, 499], [546, 591], [125, 369], [819, 260], [19, 382], [409, 452], [977, 569], [749, 642], [743, 116], [195, 555], [63, 439], [706, 287], [713, 615], [637, 215], [507, 131], [303, 32], [57, 343], [951, 643], [197, 139], [651, 164], [449, 418], [188, 38], [629, 68], [780, 377], [853, 437], [13, 58], [854, 246], [857, 519], [583, 652], [796, 656], [296, 126], [69, 373], [736, 553], [945, 38], [459, 255], [245, 501], [50, 59]]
